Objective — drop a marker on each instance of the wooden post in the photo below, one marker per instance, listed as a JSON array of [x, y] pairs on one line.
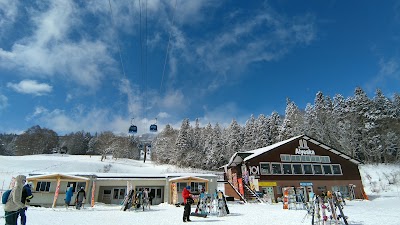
[[57, 191]]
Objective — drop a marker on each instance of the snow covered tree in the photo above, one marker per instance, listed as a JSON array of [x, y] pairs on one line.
[[182, 145], [250, 135], [263, 131], [76, 143], [274, 126], [292, 124], [163, 147], [217, 156], [234, 138]]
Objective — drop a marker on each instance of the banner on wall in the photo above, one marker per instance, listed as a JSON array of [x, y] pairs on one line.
[[254, 183], [240, 183]]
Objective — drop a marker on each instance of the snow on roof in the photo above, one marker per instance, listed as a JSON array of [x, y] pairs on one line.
[[257, 152], [187, 178], [55, 175]]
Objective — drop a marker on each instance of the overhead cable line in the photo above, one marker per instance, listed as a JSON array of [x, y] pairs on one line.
[[168, 46]]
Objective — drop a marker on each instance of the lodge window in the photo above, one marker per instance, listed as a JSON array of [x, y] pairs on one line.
[[265, 168], [180, 186], [276, 168], [76, 185], [317, 169], [297, 169], [296, 158], [287, 168], [285, 158], [306, 158], [327, 169], [197, 186], [336, 169], [325, 159], [315, 158], [43, 186], [307, 169]]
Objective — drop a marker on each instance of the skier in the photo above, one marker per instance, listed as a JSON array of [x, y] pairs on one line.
[[188, 200], [14, 203], [26, 196], [68, 196], [79, 197]]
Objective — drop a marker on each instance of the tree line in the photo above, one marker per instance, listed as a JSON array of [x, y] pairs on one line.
[[37, 140], [363, 128]]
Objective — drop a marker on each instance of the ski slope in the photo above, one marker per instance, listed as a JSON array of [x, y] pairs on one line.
[[382, 208]]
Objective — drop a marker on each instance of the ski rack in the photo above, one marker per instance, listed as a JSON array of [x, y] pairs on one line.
[[237, 192], [253, 193]]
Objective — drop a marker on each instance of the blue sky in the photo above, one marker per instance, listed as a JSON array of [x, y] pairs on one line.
[[61, 68]]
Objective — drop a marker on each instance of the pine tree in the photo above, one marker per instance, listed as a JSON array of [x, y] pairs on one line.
[[235, 138], [250, 135], [263, 131], [182, 145], [274, 126]]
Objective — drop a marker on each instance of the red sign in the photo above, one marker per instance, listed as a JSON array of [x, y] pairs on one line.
[[240, 183]]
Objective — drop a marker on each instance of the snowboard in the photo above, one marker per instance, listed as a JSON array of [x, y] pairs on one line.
[[224, 200]]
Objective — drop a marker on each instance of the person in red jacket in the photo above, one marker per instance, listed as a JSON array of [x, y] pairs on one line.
[[188, 200]]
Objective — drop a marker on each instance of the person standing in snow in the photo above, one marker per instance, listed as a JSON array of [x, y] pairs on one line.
[[80, 196], [68, 196], [14, 204], [26, 196], [188, 200]]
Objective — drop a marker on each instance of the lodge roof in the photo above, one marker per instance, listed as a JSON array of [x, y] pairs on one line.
[[239, 157]]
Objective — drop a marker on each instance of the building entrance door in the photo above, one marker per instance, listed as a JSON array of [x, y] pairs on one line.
[[269, 194]]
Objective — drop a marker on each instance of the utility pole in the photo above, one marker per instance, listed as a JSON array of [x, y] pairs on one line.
[[145, 152]]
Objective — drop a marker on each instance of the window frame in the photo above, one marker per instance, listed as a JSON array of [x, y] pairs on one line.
[[280, 168], [320, 166], [311, 166], [301, 168], [330, 168], [47, 186], [290, 167], [269, 168], [285, 158], [340, 169]]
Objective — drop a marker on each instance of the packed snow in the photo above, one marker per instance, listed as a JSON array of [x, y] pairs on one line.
[[381, 208]]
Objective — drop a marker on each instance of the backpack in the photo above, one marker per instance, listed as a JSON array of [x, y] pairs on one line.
[[6, 196]]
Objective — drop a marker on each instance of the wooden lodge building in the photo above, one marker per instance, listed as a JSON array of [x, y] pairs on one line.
[[301, 162]]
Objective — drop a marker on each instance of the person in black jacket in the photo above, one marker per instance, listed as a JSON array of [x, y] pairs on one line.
[[26, 196], [80, 196]]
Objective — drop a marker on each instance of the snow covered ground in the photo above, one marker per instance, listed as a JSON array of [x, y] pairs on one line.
[[382, 208]]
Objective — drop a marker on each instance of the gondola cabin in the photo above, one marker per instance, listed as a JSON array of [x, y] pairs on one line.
[[153, 128], [132, 129]]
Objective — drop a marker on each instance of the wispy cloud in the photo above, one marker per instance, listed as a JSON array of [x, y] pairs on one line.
[[31, 87], [243, 43], [8, 12], [57, 46], [3, 101], [388, 73]]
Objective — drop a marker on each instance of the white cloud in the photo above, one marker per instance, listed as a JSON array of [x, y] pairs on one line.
[[31, 87], [3, 101], [52, 49], [8, 12]]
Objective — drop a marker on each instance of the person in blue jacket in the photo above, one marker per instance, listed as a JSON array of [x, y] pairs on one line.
[[68, 196]]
